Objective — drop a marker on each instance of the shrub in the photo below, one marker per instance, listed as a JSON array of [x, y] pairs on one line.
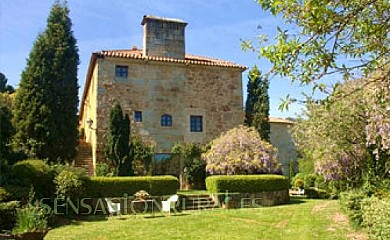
[[118, 186], [70, 182], [194, 165], [310, 180], [104, 170], [376, 217], [241, 151], [8, 214], [246, 183], [316, 193], [34, 173], [4, 195], [352, 204]]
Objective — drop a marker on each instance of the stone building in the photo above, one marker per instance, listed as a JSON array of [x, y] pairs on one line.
[[171, 96], [281, 138]]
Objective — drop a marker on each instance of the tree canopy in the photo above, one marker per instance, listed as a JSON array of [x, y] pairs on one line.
[[45, 111], [333, 136], [257, 104]]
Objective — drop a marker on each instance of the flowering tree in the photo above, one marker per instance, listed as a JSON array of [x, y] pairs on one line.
[[241, 151], [334, 135]]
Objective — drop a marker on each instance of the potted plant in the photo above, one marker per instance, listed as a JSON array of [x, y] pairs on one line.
[[141, 195], [31, 221]]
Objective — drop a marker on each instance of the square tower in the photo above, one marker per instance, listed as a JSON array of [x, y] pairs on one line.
[[164, 37]]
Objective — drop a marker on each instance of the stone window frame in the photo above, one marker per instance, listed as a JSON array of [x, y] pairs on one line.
[[166, 120], [196, 123], [121, 71], [137, 115]]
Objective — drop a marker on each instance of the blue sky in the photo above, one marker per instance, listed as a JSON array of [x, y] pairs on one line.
[[214, 29]]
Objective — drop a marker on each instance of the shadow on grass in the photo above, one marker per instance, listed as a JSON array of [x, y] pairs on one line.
[[296, 200], [59, 221]]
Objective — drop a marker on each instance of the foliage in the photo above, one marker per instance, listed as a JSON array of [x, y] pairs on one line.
[[143, 155], [45, 110], [257, 104], [6, 132], [246, 183], [103, 170], [352, 204], [328, 32], [194, 167], [119, 147], [8, 214], [315, 193], [376, 217], [119, 186], [36, 173], [332, 136], [31, 218], [4, 87], [70, 182], [241, 151]]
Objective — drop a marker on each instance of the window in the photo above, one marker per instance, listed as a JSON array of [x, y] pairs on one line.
[[137, 116], [166, 120], [121, 71], [196, 123]]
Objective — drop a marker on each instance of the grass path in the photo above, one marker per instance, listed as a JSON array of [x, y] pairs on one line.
[[304, 220]]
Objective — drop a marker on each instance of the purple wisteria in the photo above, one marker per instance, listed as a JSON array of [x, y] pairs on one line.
[[241, 151]]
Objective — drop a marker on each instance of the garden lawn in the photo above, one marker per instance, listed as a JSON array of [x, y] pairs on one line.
[[303, 219]]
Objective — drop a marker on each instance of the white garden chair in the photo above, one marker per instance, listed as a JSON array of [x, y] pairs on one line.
[[113, 207], [169, 203]]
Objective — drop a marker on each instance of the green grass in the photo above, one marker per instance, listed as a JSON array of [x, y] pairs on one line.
[[303, 220]]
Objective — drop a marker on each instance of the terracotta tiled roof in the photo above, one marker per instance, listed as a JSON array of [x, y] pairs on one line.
[[189, 59]]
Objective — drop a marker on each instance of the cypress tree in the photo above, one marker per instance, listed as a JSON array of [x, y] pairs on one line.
[[45, 112], [257, 104], [119, 147]]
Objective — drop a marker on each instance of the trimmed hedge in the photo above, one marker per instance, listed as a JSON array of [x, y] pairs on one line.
[[246, 183], [118, 186], [36, 173]]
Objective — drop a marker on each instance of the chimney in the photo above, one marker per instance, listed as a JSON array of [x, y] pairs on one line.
[[164, 37]]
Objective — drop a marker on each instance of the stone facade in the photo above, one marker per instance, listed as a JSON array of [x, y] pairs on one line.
[[161, 81]]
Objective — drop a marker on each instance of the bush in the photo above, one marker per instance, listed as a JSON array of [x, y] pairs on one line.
[[70, 182], [352, 204], [376, 217], [4, 195], [34, 173], [8, 214], [118, 186], [246, 183], [104, 170], [315, 193], [310, 180]]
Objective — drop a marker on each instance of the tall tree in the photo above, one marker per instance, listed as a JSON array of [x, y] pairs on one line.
[[327, 35], [45, 111], [4, 87], [257, 104], [119, 149]]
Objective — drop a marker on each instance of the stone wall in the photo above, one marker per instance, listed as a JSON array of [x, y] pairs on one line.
[[243, 200], [177, 89], [281, 138]]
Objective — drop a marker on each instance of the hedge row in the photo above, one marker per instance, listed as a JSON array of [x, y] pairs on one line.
[[118, 186], [246, 183]]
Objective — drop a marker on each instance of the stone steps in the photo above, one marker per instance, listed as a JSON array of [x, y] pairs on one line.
[[84, 158]]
